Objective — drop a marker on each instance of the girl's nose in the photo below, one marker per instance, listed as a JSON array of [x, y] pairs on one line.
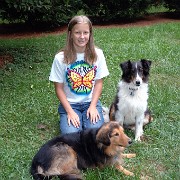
[[82, 35]]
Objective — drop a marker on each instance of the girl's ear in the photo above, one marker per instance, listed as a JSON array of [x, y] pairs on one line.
[[69, 34]]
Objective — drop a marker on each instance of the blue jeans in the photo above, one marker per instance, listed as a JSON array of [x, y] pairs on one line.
[[81, 110]]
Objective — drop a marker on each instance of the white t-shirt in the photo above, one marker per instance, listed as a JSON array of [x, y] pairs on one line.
[[78, 78]]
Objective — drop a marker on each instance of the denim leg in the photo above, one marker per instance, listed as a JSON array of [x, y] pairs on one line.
[[86, 122], [64, 127]]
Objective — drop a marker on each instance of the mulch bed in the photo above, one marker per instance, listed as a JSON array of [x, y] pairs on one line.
[[17, 31]]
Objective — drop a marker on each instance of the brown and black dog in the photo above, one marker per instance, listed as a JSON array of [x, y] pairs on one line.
[[65, 156]]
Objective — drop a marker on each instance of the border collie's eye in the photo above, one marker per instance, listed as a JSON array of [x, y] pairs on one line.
[[133, 71], [141, 69]]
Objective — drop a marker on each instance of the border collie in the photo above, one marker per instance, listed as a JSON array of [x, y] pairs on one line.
[[130, 105]]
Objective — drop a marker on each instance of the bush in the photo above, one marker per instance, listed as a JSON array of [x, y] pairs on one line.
[[173, 5], [57, 12], [115, 10], [54, 12]]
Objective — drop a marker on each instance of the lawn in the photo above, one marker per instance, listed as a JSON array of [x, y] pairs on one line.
[[28, 108]]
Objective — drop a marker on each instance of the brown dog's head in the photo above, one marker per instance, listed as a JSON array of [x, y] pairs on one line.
[[111, 138]]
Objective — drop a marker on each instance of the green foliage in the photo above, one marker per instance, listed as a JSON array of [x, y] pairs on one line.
[[115, 10], [29, 105], [56, 12], [36, 11], [159, 8]]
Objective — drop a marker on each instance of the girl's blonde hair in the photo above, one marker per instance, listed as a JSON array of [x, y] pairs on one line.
[[69, 50]]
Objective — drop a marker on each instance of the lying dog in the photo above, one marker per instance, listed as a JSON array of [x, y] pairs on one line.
[[64, 156], [130, 105]]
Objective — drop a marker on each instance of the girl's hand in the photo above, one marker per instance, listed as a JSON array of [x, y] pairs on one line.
[[92, 112], [73, 118]]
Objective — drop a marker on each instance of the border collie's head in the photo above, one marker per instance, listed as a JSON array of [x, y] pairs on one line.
[[135, 72]]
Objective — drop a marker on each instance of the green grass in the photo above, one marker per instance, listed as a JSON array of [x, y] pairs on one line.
[[28, 99]]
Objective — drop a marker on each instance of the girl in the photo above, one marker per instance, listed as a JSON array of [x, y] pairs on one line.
[[77, 72]]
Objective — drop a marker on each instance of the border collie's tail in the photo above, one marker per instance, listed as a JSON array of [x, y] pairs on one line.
[[105, 113]]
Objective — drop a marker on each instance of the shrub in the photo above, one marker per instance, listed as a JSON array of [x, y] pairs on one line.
[[115, 10], [57, 12], [54, 12]]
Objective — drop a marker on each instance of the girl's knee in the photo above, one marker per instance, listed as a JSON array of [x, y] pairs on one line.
[[69, 129]]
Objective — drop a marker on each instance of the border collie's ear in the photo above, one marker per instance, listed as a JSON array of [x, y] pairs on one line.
[[146, 66], [103, 137], [146, 63], [125, 65]]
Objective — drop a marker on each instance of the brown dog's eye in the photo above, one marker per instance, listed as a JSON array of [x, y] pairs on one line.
[[117, 134]]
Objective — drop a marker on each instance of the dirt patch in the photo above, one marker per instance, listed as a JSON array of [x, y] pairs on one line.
[[5, 59]]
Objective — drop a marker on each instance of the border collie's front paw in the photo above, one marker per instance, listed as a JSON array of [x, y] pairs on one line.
[[138, 139]]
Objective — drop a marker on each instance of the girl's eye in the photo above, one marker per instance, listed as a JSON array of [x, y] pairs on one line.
[[79, 33]]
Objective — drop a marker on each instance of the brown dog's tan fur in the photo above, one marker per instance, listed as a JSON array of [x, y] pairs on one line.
[[118, 137], [66, 155]]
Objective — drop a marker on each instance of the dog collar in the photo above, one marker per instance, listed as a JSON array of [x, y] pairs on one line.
[[132, 91]]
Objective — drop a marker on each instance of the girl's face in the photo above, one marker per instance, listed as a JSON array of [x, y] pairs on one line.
[[80, 35]]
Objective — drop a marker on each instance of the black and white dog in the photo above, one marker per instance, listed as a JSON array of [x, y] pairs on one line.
[[130, 106]]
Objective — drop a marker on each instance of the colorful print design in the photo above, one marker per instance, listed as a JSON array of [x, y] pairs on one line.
[[80, 77]]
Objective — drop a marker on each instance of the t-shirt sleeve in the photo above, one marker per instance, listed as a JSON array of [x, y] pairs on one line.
[[102, 70], [57, 69]]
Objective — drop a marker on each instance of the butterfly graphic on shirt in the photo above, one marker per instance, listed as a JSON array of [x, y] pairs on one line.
[[82, 83]]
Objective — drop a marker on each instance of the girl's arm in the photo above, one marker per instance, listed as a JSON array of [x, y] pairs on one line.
[[71, 115], [92, 112]]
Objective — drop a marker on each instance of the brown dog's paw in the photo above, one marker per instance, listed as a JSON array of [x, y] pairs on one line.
[[131, 174], [129, 155], [128, 173], [125, 171]]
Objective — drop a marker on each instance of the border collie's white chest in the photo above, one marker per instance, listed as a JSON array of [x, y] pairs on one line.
[[132, 101]]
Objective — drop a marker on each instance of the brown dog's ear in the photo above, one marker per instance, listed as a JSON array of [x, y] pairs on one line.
[[103, 137]]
